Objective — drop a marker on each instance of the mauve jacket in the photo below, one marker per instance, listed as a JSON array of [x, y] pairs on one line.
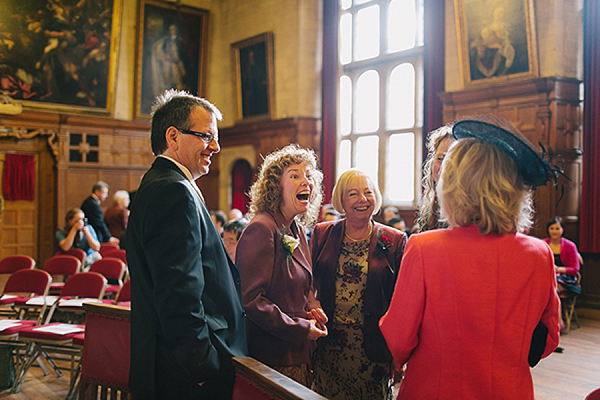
[[275, 291], [326, 245]]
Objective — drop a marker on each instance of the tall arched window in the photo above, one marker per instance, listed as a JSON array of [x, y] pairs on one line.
[[380, 121]]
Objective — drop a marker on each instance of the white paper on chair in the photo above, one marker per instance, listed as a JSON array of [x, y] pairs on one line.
[[5, 324], [41, 300], [8, 296], [60, 329], [76, 302]]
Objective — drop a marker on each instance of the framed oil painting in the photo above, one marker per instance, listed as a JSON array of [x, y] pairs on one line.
[[253, 75], [496, 40], [60, 55], [171, 51]]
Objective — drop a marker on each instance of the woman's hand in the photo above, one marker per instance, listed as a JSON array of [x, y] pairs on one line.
[[315, 332], [560, 270], [319, 316]]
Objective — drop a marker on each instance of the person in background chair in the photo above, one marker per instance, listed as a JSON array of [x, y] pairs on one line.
[[231, 235], [117, 215], [187, 319], [566, 257], [93, 212], [219, 219], [400, 224], [234, 213], [469, 299], [78, 234]]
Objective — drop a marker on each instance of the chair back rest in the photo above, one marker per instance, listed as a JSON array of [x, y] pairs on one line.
[[106, 344], [85, 284], [125, 292], [16, 262], [110, 268], [107, 247], [120, 254], [63, 265], [80, 254], [34, 281]]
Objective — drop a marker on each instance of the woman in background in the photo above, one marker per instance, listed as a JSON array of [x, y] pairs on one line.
[[468, 298], [566, 257], [438, 142], [355, 261], [78, 234], [273, 257]]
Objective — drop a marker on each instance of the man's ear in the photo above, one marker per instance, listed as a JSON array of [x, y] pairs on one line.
[[172, 137]]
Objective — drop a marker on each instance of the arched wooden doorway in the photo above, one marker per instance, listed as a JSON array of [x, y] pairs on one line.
[[241, 179]]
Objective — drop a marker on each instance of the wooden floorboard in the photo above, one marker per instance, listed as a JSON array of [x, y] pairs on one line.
[[567, 376]]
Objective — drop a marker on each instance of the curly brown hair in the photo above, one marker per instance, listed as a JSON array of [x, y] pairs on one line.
[[265, 193]]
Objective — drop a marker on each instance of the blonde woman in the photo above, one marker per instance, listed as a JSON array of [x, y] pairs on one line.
[[355, 261], [275, 264], [468, 298]]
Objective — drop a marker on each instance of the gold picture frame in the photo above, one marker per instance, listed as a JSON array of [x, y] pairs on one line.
[[171, 52], [496, 40], [59, 56], [253, 76]]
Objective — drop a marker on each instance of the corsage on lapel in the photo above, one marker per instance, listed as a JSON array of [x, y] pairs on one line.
[[289, 244], [383, 243]]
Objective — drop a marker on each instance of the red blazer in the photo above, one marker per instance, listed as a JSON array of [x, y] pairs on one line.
[[326, 245], [464, 310], [275, 291]]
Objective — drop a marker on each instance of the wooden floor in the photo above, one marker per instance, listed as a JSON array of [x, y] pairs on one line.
[[567, 376]]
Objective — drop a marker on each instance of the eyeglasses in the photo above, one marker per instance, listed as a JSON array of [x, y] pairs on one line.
[[205, 136]]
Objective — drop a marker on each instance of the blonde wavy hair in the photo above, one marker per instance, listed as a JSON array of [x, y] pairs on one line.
[[481, 185], [265, 193], [428, 214]]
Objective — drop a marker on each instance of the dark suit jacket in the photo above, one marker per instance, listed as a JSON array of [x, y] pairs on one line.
[[326, 245], [93, 212], [187, 319], [275, 291]]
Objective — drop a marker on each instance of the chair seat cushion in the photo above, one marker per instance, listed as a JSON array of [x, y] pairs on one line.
[[79, 339], [16, 326], [41, 332], [112, 289]]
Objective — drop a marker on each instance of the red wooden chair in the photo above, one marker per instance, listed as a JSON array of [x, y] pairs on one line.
[[112, 269], [61, 265], [107, 247], [16, 262], [19, 289], [123, 297], [57, 338], [80, 254], [120, 254]]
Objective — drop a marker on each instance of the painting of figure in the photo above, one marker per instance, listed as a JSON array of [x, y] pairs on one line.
[[57, 53], [172, 52], [497, 39]]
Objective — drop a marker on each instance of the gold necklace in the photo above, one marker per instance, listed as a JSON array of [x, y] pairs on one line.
[[364, 237]]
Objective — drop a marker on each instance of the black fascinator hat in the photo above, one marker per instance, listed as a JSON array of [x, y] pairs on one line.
[[535, 171]]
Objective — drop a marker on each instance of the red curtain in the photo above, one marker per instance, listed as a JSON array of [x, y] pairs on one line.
[[19, 177], [589, 216], [329, 80]]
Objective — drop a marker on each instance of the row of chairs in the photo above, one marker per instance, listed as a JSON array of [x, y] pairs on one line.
[[31, 339]]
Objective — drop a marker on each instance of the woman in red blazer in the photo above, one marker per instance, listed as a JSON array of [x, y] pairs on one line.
[[355, 261], [275, 265], [468, 298]]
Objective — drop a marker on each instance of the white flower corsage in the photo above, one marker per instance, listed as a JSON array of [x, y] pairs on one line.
[[289, 245]]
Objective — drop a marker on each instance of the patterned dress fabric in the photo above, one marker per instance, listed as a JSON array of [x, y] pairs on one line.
[[342, 369]]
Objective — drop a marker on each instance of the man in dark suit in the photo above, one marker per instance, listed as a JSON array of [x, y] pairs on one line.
[[93, 212], [187, 319]]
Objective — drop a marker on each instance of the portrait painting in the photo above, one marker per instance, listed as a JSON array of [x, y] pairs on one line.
[[60, 54], [171, 51], [253, 69], [497, 40]]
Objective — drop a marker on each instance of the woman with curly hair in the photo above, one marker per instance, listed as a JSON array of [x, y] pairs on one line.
[[274, 261], [355, 261], [438, 143]]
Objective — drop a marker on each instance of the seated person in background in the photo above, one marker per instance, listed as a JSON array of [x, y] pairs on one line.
[[566, 257], [234, 213], [218, 218], [400, 224], [324, 210], [389, 213], [78, 234], [116, 216], [231, 234]]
